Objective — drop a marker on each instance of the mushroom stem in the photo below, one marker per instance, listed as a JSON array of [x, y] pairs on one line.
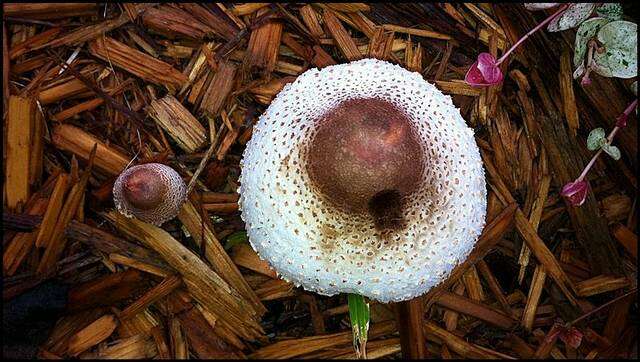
[[359, 315]]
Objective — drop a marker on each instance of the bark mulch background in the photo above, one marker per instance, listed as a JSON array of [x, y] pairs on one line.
[[183, 84]]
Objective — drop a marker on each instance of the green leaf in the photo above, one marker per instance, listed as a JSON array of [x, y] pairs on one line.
[[620, 58], [611, 11], [596, 139], [359, 316], [586, 31], [575, 14], [612, 151], [236, 238]]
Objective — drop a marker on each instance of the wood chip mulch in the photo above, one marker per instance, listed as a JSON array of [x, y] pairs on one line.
[[183, 84]]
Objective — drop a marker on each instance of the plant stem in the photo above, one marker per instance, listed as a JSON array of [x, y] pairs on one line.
[[592, 312], [538, 27], [590, 63], [359, 315], [610, 137]]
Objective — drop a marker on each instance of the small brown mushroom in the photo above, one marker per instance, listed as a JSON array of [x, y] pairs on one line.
[[151, 192]]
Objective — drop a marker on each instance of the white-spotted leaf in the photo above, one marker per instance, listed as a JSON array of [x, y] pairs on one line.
[[596, 139], [539, 6], [620, 58], [587, 30], [612, 151], [575, 14], [612, 11]]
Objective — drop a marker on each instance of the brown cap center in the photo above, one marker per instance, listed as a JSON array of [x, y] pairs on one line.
[[144, 188], [365, 157]]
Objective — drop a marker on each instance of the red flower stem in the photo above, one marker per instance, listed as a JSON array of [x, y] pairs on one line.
[[538, 27], [630, 108], [613, 133], [589, 165]]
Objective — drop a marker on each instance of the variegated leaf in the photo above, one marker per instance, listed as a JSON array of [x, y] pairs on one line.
[[575, 14], [539, 6], [586, 31], [596, 139], [620, 58], [612, 151], [611, 11]]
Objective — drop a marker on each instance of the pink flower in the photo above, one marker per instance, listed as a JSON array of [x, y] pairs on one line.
[[622, 120], [571, 336], [484, 72], [575, 192]]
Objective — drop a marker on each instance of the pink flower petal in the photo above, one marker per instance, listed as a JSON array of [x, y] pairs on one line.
[[622, 120], [489, 69], [575, 192], [484, 72], [474, 77], [553, 333], [571, 336]]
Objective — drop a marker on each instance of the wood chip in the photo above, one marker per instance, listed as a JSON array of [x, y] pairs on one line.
[[262, 51], [476, 309], [566, 91], [79, 142], [205, 285], [417, 32], [19, 126], [339, 34], [600, 284], [459, 345], [158, 292], [57, 242], [136, 62], [215, 253], [544, 256], [92, 334], [181, 125], [311, 19], [53, 210], [173, 21], [219, 88], [49, 10]]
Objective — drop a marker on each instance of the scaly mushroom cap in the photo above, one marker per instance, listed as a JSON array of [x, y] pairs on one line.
[[363, 178], [152, 192]]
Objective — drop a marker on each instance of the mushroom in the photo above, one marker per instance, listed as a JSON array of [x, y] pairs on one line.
[[152, 192], [362, 178]]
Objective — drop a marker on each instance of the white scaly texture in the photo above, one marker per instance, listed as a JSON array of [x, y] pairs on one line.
[[171, 203], [326, 250]]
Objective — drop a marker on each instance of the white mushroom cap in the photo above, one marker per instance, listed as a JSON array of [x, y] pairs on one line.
[[363, 178], [152, 192]]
